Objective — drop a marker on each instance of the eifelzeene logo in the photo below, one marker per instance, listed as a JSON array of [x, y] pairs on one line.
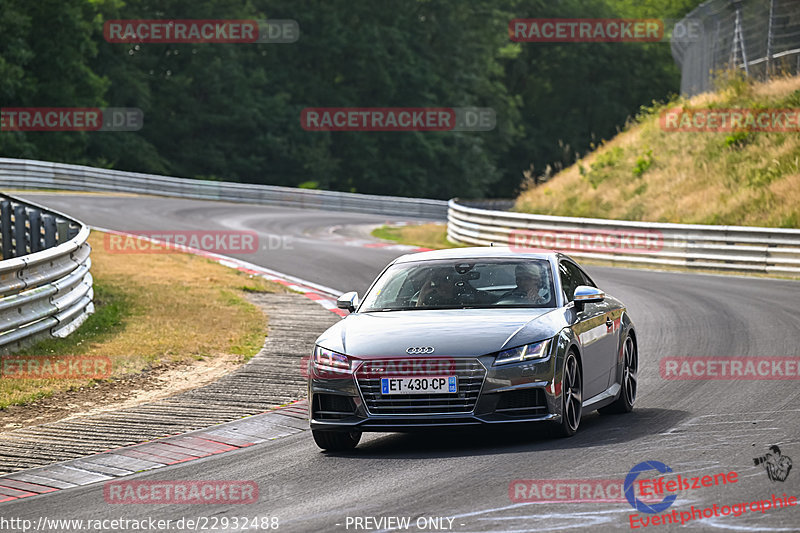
[[630, 494], [777, 465]]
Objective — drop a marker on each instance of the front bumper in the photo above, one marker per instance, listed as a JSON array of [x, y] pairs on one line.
[[520, 392]]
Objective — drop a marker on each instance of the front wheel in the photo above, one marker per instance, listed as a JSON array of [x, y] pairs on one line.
[[336, 441], [630, 375], [571, 398]]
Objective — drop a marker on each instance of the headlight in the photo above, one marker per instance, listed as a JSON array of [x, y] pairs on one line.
[[328, 361], [537, 350]]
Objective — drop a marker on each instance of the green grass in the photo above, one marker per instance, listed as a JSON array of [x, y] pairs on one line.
[[112, 308], [432, 236]]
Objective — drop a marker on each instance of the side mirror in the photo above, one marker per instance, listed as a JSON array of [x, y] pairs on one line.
[[348, 300], [585, 294]]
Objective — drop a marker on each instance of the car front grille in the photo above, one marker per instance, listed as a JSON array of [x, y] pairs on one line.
[[470, 374]]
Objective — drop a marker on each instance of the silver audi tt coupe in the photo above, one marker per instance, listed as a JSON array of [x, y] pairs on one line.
[[471, 336]]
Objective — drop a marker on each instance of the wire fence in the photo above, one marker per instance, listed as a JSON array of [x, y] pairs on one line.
[[759, 37]]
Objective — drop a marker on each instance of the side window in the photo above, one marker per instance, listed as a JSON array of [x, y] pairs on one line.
[[570, 279], [586, 279]]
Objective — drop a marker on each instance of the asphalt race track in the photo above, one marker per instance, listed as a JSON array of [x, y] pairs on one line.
[[700, 427]]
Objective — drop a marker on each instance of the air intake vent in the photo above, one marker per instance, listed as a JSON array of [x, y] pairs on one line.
[[525, 402]]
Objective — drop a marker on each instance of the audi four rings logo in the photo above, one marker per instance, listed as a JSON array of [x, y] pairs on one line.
[[419, 349]]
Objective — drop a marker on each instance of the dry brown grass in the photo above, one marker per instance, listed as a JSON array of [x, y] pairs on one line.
[[155, 309], [701, 178]]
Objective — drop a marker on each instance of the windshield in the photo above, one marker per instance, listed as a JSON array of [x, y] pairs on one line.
[[471, 283]]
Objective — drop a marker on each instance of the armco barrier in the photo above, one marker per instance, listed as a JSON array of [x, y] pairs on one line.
[[28, 174], [730, 248], [45, 284]]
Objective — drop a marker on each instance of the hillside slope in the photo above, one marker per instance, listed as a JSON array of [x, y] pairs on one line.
[[650, 174]]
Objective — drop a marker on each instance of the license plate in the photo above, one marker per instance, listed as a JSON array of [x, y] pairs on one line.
[[420, 385]]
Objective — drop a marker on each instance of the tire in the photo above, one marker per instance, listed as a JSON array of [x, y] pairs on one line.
[[630, 376], [336, 441], [571, 398]]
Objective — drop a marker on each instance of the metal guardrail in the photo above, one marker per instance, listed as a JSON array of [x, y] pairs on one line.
[[45, 284], [29, 174], [731, 248]]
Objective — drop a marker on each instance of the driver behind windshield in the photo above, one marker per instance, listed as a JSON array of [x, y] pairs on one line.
[[438, 290], [532, 286]]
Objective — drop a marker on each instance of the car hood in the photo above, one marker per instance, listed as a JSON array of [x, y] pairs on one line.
[[453, 332]]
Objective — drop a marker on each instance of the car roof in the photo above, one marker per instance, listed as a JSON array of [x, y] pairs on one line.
[[477, 252]]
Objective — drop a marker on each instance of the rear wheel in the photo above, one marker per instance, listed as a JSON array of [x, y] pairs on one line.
[[336, 441], [571, 397], [630, 375]]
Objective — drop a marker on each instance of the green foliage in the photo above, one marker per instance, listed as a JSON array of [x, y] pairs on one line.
[[643, 162], [738, 139], [602, 165], [112, 309], [232, 111]]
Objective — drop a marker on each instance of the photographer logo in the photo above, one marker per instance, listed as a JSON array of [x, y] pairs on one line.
[[777, 466]]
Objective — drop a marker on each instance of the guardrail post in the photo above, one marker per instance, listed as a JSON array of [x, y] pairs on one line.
[[62, 229], [5, 229], [19, 230], [49, 223], [35, 222]]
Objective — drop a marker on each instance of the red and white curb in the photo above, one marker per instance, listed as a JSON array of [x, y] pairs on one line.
[[324, 296], [121, 462], [194, 445]]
